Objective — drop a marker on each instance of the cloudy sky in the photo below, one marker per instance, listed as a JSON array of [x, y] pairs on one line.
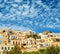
[[35, 15]]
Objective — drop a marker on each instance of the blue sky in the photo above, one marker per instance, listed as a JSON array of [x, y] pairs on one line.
[[35, 15]]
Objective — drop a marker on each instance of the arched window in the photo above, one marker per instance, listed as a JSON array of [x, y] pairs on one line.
[[8, 48], [11, 47], [1, 48], [16, 42], [5, 48], [13, 42]]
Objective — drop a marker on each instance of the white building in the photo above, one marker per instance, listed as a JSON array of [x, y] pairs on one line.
[[43, 36]]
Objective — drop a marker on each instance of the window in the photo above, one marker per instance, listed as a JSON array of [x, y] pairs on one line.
[[47, 44], [8, 48], [24, 44], [16, 42], [57, 40], [13, 37], [5, 48], [51, 35], [13, 42], [41, 44], [11, 47], [1, 48]]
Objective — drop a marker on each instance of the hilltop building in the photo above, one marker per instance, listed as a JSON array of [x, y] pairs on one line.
[[9, 38]]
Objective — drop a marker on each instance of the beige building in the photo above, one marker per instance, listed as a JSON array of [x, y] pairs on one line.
[[4, 48]]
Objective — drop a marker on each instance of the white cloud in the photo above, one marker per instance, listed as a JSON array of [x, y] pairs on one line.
[[14, 27], [42, 14], [15, 5], [1, 15], [18, 0]]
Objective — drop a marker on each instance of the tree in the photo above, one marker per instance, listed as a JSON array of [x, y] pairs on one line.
[[15, 50], [53, 50], [26, 52], [33, 52], [42, 51], [35, 36], [50, 50], [57, 50]]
